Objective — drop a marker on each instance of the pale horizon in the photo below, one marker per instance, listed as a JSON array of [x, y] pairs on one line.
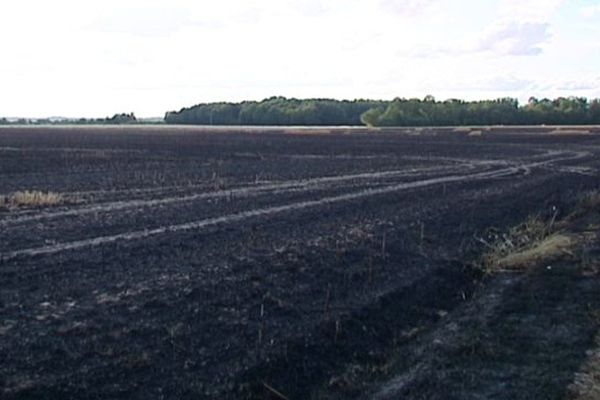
[[70, 59]]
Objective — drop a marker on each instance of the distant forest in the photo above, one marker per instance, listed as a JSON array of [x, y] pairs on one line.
[[398, 112], [377, 113], [117, 119], [276, 111]]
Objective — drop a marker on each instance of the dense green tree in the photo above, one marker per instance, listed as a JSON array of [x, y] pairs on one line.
[[504, 111], [371, 117], [398, 112], [275, 111], [594, 112], [121, 119]]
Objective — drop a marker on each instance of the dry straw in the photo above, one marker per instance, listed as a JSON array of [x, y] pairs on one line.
[[28, 198]]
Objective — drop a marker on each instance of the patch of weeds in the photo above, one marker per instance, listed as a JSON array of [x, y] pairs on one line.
[[538, 240], [34, 198], [524, 245]]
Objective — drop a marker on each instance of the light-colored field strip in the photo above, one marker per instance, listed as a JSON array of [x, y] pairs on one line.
[[276, 188], [578, 170], [268, 211]]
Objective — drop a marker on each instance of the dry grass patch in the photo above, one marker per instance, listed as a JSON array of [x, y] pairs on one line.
[[28, 198], [537, 241], [550, 248], [525, 245]]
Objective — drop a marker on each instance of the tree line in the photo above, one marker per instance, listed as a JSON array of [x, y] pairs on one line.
[[275, 111], [378, 113], [117, 119], [398, 112]]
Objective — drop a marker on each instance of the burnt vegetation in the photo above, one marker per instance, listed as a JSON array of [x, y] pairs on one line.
[[191, 263]]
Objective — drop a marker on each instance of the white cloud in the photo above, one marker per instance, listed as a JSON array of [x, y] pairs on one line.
[[149, 21], [591, 11], [502, 38], [149, 56], [529, 10], [515, 38], [498, 83], [508, 83], [408, 7], [580, 84], [311, 8]]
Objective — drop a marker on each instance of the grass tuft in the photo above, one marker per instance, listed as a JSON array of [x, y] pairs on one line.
[[28, 198], [526, 245], [549, 248]]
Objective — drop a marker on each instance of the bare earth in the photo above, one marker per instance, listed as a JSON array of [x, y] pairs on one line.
[[273, 263]]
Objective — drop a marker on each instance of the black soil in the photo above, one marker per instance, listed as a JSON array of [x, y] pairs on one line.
[[302, 301], [523, 335]]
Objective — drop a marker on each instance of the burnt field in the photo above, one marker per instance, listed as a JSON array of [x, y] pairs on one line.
[[196, 263]]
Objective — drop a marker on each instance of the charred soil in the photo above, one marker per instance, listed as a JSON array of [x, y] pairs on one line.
[[225, 264]]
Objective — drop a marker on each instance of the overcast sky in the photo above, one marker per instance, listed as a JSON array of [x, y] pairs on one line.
[[95, 58]]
